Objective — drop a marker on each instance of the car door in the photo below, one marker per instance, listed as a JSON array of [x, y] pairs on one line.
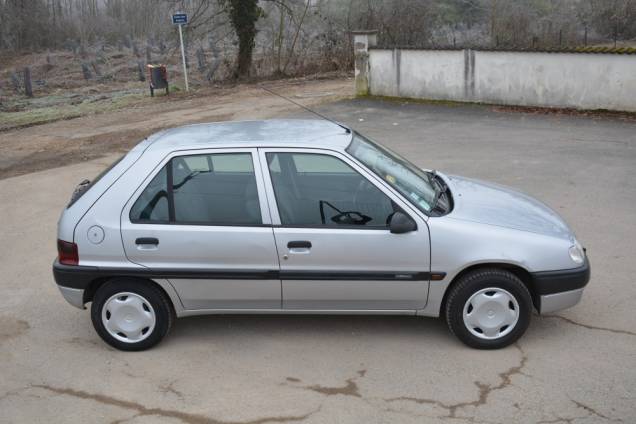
[[331, 229], [202, 222]]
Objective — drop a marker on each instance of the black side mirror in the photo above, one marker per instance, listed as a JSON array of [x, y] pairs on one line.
[[401, 223]]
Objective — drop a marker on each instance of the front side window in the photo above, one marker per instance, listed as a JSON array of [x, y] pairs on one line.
[[412, 182], [212, 189], [322, 190]]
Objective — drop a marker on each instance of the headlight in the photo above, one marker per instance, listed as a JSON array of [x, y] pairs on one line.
[[577, 254]]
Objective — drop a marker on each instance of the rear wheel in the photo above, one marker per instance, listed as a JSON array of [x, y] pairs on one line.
[[488, 308], [130, 314]]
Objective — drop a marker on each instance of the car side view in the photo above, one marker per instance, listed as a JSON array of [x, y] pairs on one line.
[[306, 216]]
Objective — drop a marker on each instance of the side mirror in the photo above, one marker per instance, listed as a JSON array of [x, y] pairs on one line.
[[401, 223]]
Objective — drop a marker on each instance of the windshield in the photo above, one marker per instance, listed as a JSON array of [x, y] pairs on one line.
[[412, 182]]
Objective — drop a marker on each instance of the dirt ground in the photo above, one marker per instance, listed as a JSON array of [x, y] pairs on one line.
[[25, 150]]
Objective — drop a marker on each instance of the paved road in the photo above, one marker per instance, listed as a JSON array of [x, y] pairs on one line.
[[577, 367]]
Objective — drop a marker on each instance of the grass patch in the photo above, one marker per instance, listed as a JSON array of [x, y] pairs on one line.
[[43, 113]]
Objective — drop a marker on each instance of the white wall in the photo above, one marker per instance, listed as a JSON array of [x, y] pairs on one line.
[[431, 74], [576, 80]]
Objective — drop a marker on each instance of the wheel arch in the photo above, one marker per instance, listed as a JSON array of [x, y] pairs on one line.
[[520, 272], [174, 301]]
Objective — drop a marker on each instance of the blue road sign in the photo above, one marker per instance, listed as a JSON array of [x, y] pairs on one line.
[[179, 19]]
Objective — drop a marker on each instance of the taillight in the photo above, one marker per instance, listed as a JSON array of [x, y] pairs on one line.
[[67, 253]]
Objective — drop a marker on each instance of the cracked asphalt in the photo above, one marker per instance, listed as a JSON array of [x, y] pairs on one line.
[[576, 366]]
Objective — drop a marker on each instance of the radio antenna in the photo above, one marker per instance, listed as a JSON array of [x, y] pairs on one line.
[[306, 108]]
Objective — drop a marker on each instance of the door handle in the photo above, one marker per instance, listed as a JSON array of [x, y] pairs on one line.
[[299, 244], [147, 240]]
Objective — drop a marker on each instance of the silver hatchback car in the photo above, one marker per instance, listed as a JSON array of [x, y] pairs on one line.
[[306, 216]]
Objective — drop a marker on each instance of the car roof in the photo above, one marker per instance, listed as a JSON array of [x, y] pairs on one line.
[[265, 133]]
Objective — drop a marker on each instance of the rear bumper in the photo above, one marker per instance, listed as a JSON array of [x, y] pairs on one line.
[[73, 296], [556, 290], [74, 276], [72, 281]]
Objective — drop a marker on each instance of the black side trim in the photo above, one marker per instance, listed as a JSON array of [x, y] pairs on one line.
[[206, 274], [80, 277], [550, 282], [355, 275]]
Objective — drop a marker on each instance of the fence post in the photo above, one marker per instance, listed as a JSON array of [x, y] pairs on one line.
[[28, 88], [140, 71], [86, 71], [362, 40], [15, 81]]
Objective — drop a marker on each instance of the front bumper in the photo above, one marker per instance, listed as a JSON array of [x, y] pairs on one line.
[[556, 290], [557, 301]]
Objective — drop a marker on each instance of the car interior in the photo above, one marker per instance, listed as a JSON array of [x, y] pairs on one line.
[[311, 190]]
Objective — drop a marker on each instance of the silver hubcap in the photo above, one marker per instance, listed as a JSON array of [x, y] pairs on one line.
[[491, 313], [128, 317]]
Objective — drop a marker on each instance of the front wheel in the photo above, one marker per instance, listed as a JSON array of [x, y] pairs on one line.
[[131, 315], [488, 308]]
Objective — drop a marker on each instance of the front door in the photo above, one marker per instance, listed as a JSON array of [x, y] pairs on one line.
[[203, 224], [331, 229]]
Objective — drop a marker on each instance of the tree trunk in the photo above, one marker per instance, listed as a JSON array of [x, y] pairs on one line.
[[244, 14]]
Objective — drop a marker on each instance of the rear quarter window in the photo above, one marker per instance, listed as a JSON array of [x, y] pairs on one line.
[[83, 187]]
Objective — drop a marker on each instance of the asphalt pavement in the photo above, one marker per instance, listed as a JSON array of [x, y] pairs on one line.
[[576, 366]]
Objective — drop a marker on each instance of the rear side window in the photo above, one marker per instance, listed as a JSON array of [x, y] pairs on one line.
[[213, 189]]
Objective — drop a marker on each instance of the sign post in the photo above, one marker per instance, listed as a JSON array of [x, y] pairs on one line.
[[181, 19]]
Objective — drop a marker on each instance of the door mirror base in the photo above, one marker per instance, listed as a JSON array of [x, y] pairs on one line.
[[400, 223]]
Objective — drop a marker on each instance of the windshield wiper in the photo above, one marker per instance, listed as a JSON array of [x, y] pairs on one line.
[[439, 185], [79, 191]]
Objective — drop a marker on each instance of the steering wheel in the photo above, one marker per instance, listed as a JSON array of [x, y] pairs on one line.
[[350, 218]]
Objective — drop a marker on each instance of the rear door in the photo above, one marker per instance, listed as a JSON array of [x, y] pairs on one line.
[[201, 221], [335, 249]]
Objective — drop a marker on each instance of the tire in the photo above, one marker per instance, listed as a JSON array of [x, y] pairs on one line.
[[139, 309], [499, 302]]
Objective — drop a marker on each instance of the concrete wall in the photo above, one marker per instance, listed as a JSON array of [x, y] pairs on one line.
[[573, 80]]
